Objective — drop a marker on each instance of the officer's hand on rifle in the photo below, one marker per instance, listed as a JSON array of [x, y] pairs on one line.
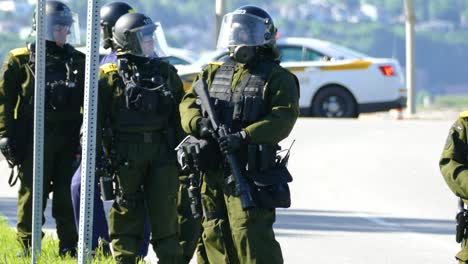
[[8, 149], [204, 128], [232, 142]]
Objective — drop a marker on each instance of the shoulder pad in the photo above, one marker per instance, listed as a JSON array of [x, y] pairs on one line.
[[216, 63], [464, 114], [20, 51], [108, 67], [168, 65]]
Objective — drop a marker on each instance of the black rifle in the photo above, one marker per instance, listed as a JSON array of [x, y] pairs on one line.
[[242, 188], [462, 221]]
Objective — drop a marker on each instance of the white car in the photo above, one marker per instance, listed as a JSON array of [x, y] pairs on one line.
[[335, 81]]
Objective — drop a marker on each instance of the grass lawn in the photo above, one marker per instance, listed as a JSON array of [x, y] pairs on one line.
[[9, 247], [459, 102]]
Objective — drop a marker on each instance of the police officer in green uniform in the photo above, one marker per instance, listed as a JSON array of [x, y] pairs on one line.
[[257, 101], [138, 99], [454, 168], [63, 100]]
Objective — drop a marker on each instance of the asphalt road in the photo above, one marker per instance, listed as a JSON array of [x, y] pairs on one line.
[[364, 191]]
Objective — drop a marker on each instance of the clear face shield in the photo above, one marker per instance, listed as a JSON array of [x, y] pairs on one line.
[[147, 41], [63, 27], [239, 28]]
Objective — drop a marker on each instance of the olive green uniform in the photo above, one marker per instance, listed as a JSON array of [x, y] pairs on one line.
[[61, 132], [454, 167], [231, 234], [147, 175]]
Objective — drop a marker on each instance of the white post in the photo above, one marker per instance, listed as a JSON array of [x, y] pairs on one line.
[[39, 87], [89, 133], [220, 9], [409, 25]]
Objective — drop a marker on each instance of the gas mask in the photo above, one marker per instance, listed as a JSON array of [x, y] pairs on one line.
[[243, 53]]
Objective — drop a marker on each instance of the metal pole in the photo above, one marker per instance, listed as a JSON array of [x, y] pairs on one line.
[[39, 88], [89, 133], [220, 9], [409, 25]]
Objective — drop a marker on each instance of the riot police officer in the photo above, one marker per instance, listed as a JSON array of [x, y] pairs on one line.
[[256, 100], [454, 168], [139, 96], [110, 13], [63, 100]]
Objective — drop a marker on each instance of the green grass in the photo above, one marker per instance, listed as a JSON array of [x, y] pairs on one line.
[[452, 101], [444, 102], [9, 247]]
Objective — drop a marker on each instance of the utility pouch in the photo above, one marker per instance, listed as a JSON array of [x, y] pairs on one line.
[[237, 112], [252, 111], [271, 188], [150, 101], [269, 176]]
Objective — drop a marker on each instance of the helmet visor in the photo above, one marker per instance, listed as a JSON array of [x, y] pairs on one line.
[[147, 41], [243, 29], [63, 27]]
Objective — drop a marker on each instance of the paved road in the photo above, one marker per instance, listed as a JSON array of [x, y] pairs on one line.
[[364, 191]]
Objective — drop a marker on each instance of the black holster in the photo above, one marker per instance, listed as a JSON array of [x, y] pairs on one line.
[[106, 183], [462, 220]]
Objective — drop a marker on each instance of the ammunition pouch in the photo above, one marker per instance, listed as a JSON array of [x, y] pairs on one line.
[[58, 95], [147, 100], [248, 109], [149, 107], [269, 176], [196, 155]]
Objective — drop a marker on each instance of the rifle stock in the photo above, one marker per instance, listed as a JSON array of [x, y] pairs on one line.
[[241, 186]]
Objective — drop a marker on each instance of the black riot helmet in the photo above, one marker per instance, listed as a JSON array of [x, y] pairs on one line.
[[110, 13], [136, 34], [246, 30], [58, 18]]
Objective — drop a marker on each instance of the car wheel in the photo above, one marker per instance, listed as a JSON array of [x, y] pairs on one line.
[[334, 101]]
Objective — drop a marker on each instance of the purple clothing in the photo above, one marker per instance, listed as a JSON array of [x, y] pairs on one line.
[[100, 227], [110, 58]]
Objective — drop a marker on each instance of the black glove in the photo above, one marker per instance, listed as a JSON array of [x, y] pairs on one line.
[[204, 128], [231, 142], [8, 149]]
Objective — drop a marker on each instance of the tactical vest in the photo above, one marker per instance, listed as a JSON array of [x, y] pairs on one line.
[[148, 104], [63, 93], [245, 105]]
